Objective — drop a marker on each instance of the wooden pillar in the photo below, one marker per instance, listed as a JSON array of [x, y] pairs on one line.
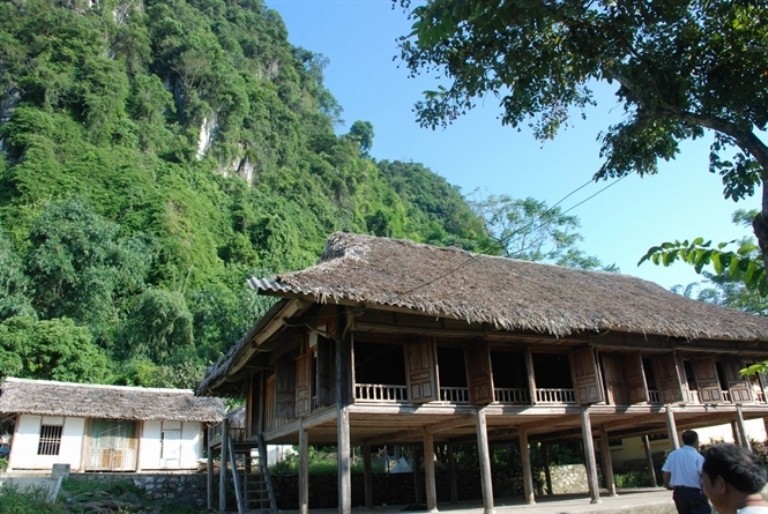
[[417, 479], [605, 451], [649, 458], [429, 471], [367, 476], [209, 477], [525, 459], [223, 466], [672, 427], [452, 473], [343, 365], [742, 428], [547, 471], [589, 456], [303, 470], [531, 374], [483, 453]]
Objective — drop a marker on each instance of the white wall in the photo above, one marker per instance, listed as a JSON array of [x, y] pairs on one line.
[[150, 446], [27, 436]]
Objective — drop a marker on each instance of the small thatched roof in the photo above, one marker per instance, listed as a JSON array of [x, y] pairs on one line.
[[49, 398], [510, 295]]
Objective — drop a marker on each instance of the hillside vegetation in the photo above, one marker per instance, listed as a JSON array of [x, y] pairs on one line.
[[153, 155]]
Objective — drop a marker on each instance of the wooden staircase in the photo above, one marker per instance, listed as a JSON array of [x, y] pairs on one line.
[[253, 485]]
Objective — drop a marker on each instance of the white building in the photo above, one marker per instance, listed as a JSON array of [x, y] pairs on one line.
[[104, 428]]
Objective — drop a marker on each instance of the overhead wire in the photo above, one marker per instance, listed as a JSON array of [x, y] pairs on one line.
[[477, 256]]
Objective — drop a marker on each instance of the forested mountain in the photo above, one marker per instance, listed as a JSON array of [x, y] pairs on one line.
[[153, 155]]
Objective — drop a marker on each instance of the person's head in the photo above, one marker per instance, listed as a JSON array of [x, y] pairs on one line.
[[729, 474], [690, 438]]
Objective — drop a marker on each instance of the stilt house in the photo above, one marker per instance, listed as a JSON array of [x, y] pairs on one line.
[[392, 342]]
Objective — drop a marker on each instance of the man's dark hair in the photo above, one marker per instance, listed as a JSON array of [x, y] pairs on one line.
[[690, 438], [741, 468]]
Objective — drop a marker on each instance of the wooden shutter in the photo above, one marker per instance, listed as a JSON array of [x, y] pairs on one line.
[[586, 376], [614, 379], [477, 356], [421, 371], [323, 373], [739, 387], [705, 371], [634, 378], [666, 372], [304, 384]]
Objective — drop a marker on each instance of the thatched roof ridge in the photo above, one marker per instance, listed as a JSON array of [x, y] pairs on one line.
[[51, 398], [506, 293]]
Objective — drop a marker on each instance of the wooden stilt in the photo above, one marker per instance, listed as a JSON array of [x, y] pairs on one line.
[[672, 427], [483, 453], [303, 471], [547, 471], [417, 476], [525, 458], [367, 476], [742, 428], [343, 445], [589, 456], [649, 458], [209, 477], [429, 471], [452, 473], [223, 466], [605, 451]]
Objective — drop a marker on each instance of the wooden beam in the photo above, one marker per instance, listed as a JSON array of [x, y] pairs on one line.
[[649, 459], [223, 466], [742, 428], [343, 444], [452, 473]]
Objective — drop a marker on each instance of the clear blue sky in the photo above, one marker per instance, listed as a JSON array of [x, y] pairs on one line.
[[618, 225]]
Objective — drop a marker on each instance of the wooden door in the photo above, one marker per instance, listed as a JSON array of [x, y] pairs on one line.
[[705, 372], [739, 387], [634, 378], [111, 445], [304, 383], [421, 371], [667, 374], [586, 376], [477, 357], [614, 379]]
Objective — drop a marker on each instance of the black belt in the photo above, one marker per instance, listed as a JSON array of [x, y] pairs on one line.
[[686, 487]]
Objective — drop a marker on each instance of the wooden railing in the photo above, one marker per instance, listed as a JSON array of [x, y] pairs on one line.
[[393, 393], [654, 396], [555, 395], [454, 394], [514, 395], [381, 393]]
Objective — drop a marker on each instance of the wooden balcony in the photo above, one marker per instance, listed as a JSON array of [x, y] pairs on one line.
[[393, 393]]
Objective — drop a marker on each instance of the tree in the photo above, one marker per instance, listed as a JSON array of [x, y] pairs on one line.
[[529, 230], [362, 133], [674, 63], [55, 349]]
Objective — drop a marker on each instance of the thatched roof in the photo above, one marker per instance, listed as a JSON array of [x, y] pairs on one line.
[[508, 294], [49, 398]]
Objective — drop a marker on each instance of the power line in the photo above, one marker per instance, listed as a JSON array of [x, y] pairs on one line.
[[477, 256]]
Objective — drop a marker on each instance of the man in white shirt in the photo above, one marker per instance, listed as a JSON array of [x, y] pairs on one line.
[[682, 475], [733, 478]]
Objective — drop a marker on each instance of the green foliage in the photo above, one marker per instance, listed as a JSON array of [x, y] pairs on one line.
[[673, 64], [127, 232], [55, 349], [528, 229], [15, 501]]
